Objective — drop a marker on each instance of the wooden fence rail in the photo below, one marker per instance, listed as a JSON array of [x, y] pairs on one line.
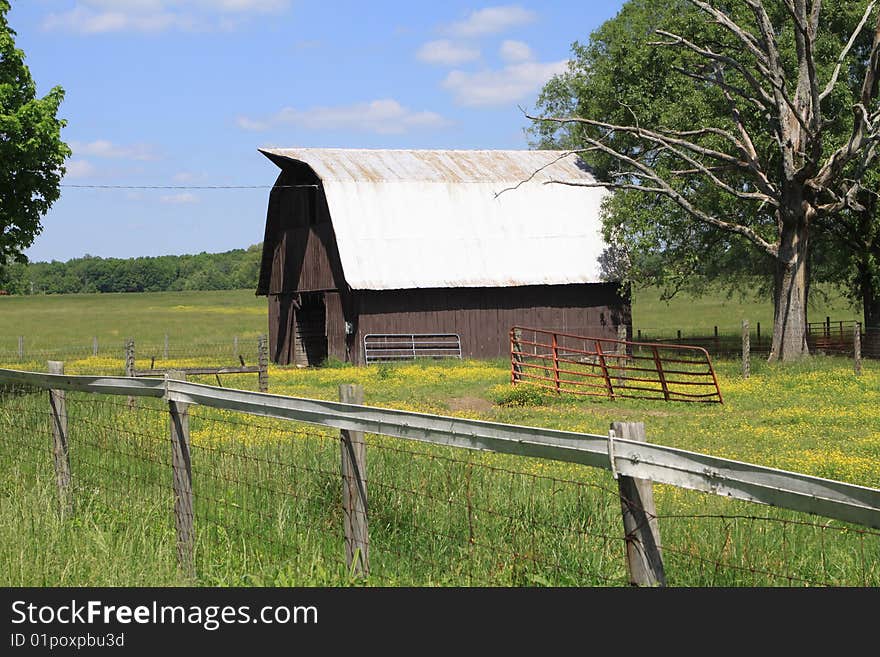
[[623, 452]]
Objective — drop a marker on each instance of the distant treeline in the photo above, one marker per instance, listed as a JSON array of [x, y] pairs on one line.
[[236, 269]]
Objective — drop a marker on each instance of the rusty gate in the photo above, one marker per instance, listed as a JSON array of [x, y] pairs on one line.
[[604, 367]]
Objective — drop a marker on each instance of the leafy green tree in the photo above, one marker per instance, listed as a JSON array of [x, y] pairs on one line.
[[731, 129], [31, 150]]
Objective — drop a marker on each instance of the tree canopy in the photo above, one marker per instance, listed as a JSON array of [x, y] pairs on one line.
[[31, 150], [731, 131], [236, 269]]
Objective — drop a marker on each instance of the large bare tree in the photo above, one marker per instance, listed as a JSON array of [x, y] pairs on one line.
[[803, 173]]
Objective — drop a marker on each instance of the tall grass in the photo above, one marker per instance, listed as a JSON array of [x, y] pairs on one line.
[[268, 512]]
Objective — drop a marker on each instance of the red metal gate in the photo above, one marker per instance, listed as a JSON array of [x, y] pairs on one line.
[[602, 367]]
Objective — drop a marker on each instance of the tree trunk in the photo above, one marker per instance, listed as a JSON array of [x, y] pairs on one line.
[[871, 306], [790, 294]]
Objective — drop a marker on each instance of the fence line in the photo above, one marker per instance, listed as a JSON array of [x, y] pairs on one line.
[[661, 464]]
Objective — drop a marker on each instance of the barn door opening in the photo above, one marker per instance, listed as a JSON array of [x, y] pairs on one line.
[[310, 331]]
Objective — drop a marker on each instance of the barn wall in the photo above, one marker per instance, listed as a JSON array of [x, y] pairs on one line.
[[483, 316]]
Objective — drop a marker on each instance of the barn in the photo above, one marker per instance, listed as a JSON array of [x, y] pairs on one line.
[[366, 242]]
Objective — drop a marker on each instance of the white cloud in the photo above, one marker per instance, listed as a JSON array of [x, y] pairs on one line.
[[104, 16], [189, 177], [385, 116], [447, 53], [516, 51], [491, 21], [107, 149], [79, 169], [179, 199], [82, 20], [501, 87], [254, 125]]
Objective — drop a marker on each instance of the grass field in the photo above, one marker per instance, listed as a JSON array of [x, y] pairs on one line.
[[52, 322], [702, 313], [71, 321], [268, 509]]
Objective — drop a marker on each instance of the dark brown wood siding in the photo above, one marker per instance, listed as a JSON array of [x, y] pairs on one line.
[[482, 317], [304, 253], [300, 257]]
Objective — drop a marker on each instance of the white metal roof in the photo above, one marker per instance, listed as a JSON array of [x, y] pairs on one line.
[[423, 219]]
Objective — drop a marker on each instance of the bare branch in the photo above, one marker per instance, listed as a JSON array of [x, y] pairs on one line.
[[665, 189], [846, 50], [866, 130], [751, 42], [718, 57], [534, 173]]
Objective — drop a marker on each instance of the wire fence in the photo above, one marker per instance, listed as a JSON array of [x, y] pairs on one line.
[[27, 350], [268, 508]]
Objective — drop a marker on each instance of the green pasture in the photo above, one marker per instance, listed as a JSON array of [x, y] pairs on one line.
[[268, 493], [56, 322]]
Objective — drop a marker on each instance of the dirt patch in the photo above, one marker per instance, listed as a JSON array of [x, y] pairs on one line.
[[477, 404]]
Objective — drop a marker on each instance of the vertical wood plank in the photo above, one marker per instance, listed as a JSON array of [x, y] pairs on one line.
[[746, 350], [181, 467], [165, 350], [129, 365], [20, 348], [354, 489], [95, 346], [644, 556], [621, 355], [129, 357], [857, 349], [555, 347], [515, 355], [60, 448], [263, 362]]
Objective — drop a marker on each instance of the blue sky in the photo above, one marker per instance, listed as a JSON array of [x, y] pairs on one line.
[[183, 92]]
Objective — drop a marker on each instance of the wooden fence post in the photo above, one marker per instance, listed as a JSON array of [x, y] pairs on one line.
[[747, 349], [354, 489], [235, 346], [20, 348], [263, 362], [621, 355], [129, 365], [644, 558], [165, 351], [555, 352], [60, 448], [857, 349], [516, 369], [181, 467], [95, 346]]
